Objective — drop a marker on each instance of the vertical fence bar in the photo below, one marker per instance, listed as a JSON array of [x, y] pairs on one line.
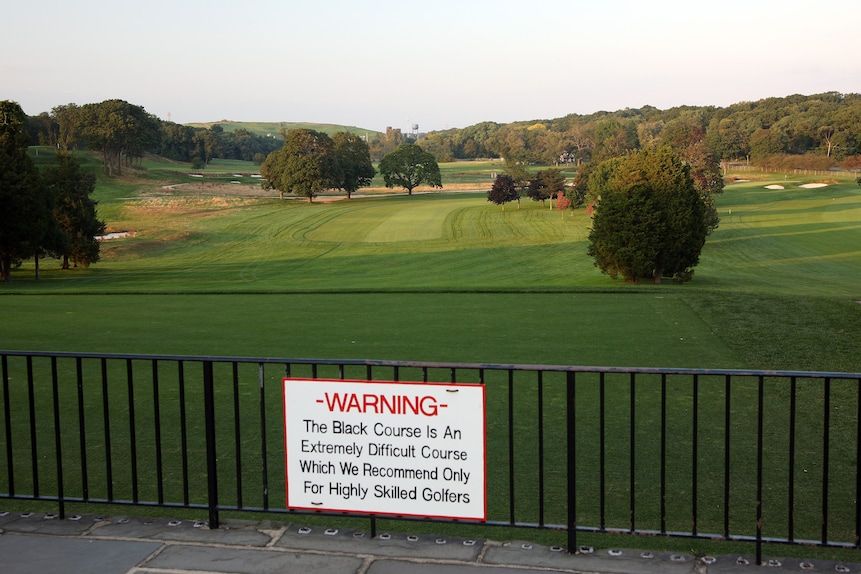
[[237, 437], [602, 454], [571, 441], [58, 440], [132, 435], [540, 449], [106, 417], [695, 454], [632, 464], [156, 412], [7, 420], [211, 454], [183, 431], [510, 446], [34, 458], [858, 464], [790, 495], [82, 430], [726, 452], [264, 463], [663, 453], [760, 407], [826, 456]]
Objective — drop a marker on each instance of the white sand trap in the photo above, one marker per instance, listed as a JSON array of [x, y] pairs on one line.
[[115, 235], [810, 185], [774, 186]]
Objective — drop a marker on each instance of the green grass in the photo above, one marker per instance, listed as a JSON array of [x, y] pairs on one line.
[[451, 277], [784, 263]]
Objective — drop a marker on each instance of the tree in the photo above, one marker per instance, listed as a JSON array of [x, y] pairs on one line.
[[25, 207], [563, 202], [410, 166], [650, 220], [119, 130], [503, 190], [354, 159], [68, 122], [207, 144], [545, 185], [74, 211], [518, 172], [614, 138], [305, 165]]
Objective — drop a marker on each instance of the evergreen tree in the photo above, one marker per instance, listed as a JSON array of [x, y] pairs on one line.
[[75, 211], [25, 205], [650, 220]]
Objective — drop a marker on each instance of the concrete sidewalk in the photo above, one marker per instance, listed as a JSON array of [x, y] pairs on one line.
[[127, 545]]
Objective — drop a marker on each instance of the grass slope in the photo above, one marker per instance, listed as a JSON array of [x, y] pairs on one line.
[[274, 128], [386, 277]]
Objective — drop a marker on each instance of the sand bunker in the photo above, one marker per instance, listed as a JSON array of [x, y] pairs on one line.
[[774, 186], [114, 235], [810, 185]]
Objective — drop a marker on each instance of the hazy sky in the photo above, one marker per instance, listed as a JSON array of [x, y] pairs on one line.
[[435, 63]]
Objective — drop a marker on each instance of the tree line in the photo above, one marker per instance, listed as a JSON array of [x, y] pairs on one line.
[[122, 133], [310, 162], [816, 131]]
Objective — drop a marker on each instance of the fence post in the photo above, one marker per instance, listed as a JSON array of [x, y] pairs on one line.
[[571, 474], [211, 461], [58, 441]]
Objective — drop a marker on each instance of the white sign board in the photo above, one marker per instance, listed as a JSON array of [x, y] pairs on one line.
[[405, 449]]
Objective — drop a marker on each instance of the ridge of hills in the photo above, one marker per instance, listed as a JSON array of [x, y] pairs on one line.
[[272, 129]]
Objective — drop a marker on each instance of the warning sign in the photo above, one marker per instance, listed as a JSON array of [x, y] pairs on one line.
[[406, 449]]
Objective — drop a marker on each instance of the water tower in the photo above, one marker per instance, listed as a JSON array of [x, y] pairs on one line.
[[415, 129]]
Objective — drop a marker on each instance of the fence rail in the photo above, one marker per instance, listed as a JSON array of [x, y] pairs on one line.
[[755, 456]]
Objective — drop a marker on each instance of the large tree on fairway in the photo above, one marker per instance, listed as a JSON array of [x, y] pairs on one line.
[[75, 211], [26, 220], [503, 190], [305, 165], [650, 221], [410, 166], [354, 159], [119, 130]]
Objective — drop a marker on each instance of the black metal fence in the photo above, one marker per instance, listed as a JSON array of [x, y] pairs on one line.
[[755, 456]]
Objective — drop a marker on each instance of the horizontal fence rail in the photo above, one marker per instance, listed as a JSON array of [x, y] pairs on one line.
[[753, 456]]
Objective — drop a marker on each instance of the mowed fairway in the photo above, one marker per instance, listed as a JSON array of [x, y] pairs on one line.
[[450, 277]]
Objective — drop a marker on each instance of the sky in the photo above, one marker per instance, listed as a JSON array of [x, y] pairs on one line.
[[436, 63]]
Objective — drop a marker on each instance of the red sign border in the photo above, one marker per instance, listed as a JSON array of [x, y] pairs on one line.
[[286, 380]]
